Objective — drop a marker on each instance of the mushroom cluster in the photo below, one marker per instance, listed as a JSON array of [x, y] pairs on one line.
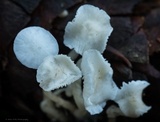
[[86, 35]]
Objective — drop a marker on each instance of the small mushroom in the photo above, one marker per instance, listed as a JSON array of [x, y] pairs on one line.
[[98, 83], [33, 44], [129, 98], [113, 112], [88, 30], [57, 71], [63, 14]]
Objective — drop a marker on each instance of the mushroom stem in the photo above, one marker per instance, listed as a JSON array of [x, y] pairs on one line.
[[65, 104], [120, 55], [75, 90], [48, 107], [73, 55]]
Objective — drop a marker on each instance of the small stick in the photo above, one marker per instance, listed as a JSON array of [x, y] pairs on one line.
[[120, 55]]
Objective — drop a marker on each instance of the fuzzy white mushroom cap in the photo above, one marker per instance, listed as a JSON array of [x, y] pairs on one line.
[[129, 98], [89, 29], [98, 83], [57, 71], [33, 44]]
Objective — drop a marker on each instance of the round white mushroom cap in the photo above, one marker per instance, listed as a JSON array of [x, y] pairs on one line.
[[129, 98], [57, 71], [98, 83], [33, 44], [89, 29]]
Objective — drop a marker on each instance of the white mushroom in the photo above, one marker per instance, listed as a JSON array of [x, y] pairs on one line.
[[33, 44], [57, 71], [98, 83], [129, 98], [89, 29]]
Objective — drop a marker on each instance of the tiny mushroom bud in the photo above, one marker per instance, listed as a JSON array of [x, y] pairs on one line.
[[89, 29], [129, 98], [98, 83], [33, 44], [57, 71], [63, 14], [113, 112]]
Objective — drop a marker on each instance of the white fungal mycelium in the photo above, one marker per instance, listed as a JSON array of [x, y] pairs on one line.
[[129, 98], [89, 29], [33, 44], [98, 83], [57, 71]]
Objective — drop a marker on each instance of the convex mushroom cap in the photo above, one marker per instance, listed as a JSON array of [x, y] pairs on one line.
[[89, 29], [57, 71], [129, 98], [33, 44], [98, 83]]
